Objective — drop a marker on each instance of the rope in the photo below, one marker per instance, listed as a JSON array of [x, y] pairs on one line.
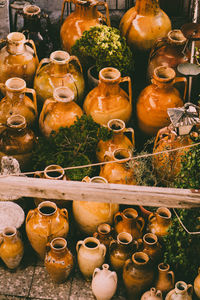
[[181, 223]]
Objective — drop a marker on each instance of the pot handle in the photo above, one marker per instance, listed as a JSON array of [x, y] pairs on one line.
[[124, 79], [111, 243], [31, 42], [79, 243], [182, 79], [96, 270], [29, 215], [171, 274], [73, 57], [1, 240], [2, 43], [190, 289], [95, 235], [64, 213], [102, 247], [62, 11], [113, 275], [101, 3], [43, 61], [42, 114], [126, 263], [32, 91], [118, 214], [17, 12], [131, 130], [141, 221], [151, 216], [48, 247]]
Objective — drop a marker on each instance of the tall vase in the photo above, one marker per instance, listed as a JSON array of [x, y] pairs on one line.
[[17, 58], [165, 281], [108, 101], [104, 234], [82, 18]]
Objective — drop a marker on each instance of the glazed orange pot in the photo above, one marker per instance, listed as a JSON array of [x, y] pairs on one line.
[[143, 24], [17, 59], [152, 247], [59, 111], [108, 101], [118, 140], [82, 18], [159, 222], [156, 98]]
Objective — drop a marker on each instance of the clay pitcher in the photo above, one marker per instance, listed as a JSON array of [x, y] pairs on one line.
[[129, 221], [153, 294], [45, 223], [90, 255], [105, 278], [108, 100], [58, 260], [182, 291], [159, 222], [118, 140], [197, 284], [11, 247], [104, 234], [152, 247], [165, 280]]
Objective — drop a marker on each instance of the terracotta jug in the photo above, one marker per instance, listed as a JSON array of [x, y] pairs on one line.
[[120, 250], [59, 111], [129, 221], [16, 101], [169, 52], [58, 260], [106, 279], [182, 291], [82, 18], [90, 255], [59, 71], [143, 24], [159, 222], [17, 140], [11, 247], [118, 140], [165, 280], [152, 247], [156, 98], [138, 275], [88, 214], [17, 58], [104, 234], [119, 171], [45, 223], [153, 294], [197, 284], [108, 101]]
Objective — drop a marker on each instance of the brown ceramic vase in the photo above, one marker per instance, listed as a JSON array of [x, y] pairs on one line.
[[104, 234], [152, 247], [165, 281], [159, 222]]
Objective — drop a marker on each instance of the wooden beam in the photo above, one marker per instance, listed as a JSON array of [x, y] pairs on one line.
[[114, 193]]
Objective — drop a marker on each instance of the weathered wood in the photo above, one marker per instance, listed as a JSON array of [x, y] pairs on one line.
[[115, 193]]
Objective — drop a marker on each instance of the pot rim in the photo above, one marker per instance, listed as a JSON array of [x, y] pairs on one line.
[[164, 74], [125, 236], [93, 240], [11, 84], [31, 10], [10, 229], [59, 57], [63, 94], [144, 256], [105, 226], [116, 122], [58, 240], [176, 36], [150, 235], [163, 267], [109, 75], [166, 211], [52, 168], [16, 37], [48, 204]]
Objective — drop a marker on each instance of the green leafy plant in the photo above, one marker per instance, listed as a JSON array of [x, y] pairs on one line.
[[104, 47]]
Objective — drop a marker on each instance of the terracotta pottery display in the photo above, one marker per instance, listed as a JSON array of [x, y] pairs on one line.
[[17, 140], [153, 294], [45, 223], [152, 247], [108, 101], [182, 291], [106, 279], [82, 18], [119, 171], [129, 221], [159, 222], [165, 281], [59, 111], [138, 275], [17, 58], [118, 140], [156, 98], [90, 255], [58, 260], [59, 71], [120, 250], [16, 102], [143, 24], [11, 247], [88, 214], [104, 234], [197, 284]]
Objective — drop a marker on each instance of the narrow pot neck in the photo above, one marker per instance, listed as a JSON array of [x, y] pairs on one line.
[[91, 244], [10, 234], [16, 124], [16, 43], [117, 126], [163, 77], [147, 7], [31, 22], [87, 12], [47, 209], [163, 270], [140, 259], [59, 247], [163, 216], [104, 231]]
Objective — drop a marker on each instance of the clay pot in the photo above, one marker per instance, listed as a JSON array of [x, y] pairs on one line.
[[152, 247], [17, 59], [119, 171], [197, 284], [159, 222], [11, 247], [143, 24], [118, 140], [104, 234], [156, 98], [106, 279], [120, 250], [58, 260], [129, 221], [153, 294], [165, 280], [90, 255], [59, 111], [16, 102], [59, 71], [182, 291], [138, 275], [88, 215], [45, 223], [82, 18], [108, 101], [17, 140]]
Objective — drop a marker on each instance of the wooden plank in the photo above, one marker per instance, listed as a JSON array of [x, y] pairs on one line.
[[114, 193]]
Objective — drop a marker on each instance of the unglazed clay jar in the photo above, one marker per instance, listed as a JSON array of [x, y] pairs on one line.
[[182, 291], [153, 294], [159, 222], [165, 280], [45, 223]]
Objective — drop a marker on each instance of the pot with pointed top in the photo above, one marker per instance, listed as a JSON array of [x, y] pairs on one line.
[[153, 294]]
